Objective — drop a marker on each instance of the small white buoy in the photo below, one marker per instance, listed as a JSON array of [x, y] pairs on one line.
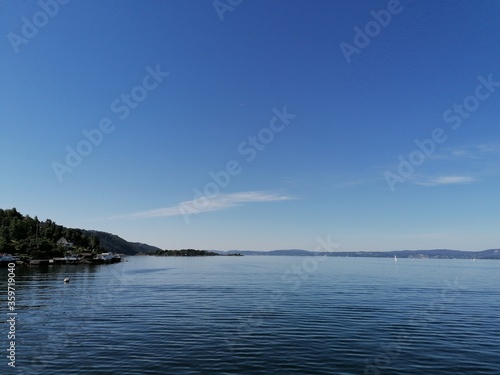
[[66, 279]]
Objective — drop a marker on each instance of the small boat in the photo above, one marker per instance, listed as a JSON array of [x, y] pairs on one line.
[[72, 258], [395, 258], [107, 258]]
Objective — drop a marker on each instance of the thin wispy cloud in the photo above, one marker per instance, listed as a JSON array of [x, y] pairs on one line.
[[445, 180], [206, 204]]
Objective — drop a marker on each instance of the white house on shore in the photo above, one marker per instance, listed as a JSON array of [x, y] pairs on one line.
[[65, 243]]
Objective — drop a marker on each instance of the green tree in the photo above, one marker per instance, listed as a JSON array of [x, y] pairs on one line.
[[18, 230], [94, 242]]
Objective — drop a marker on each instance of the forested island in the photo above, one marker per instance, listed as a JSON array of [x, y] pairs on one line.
[[188, 253]]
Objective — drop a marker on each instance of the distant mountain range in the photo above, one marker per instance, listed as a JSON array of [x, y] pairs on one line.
[[431, 254], [114, 243]]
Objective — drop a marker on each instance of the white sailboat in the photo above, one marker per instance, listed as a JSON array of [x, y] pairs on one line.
[[395, 258]]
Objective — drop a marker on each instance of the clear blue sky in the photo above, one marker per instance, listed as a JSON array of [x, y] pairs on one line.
[[326, 166]]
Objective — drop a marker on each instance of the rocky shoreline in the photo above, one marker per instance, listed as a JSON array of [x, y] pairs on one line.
[[83, 258]]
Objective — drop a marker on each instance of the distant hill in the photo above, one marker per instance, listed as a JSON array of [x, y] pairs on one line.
[[290, 252], [145, 248], [185, 253], [116, 244], [424, 254]]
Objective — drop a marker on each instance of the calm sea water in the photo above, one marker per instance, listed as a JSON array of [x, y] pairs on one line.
[[257, 315]]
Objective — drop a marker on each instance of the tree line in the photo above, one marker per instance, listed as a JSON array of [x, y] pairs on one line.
[[24, 235], [184, 253]]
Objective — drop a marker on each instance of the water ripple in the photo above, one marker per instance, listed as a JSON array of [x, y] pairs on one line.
[[241, 316]]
